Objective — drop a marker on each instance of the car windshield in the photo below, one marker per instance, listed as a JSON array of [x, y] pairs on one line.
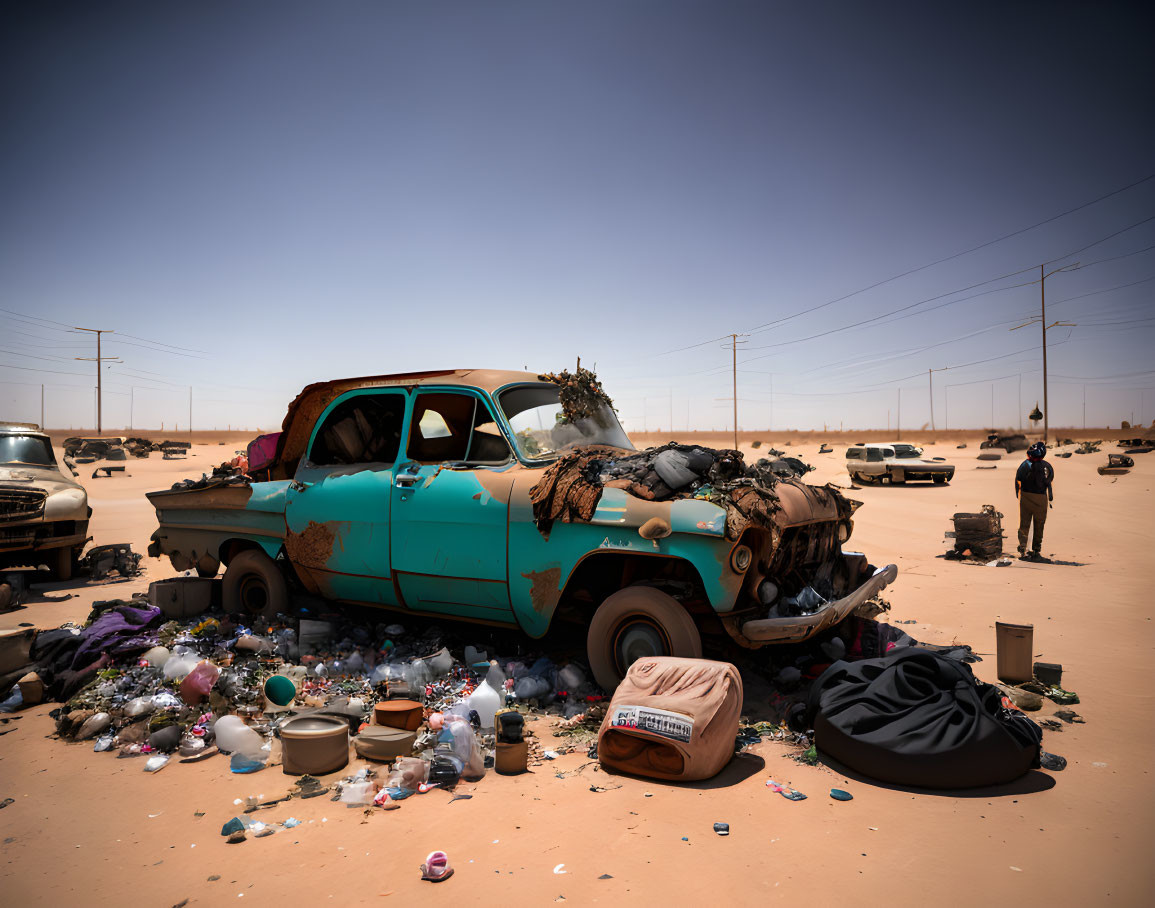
[[541, 430], [906, 451], [26, 449]]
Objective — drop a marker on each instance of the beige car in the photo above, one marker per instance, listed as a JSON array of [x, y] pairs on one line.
[[43, 513]]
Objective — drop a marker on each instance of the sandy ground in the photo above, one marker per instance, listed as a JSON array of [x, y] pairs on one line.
[[95, 830]]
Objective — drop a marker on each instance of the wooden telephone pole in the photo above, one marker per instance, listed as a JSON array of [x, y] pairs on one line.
[[99, 360]]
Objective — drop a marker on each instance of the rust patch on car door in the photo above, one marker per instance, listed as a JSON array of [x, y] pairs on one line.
[[545, 587], [313, 546]]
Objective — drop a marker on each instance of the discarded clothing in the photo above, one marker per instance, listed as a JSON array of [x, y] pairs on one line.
[[917, 718], [672, 718]]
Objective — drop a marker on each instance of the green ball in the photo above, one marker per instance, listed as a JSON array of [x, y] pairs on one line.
[[280, 690]]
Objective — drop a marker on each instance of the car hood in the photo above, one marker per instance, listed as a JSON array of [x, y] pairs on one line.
[[30, 476]]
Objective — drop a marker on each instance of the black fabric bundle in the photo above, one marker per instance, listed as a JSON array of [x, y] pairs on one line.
[[916, 718]]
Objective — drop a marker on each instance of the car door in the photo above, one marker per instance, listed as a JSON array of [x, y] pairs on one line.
[[450, 511], [337, 507]]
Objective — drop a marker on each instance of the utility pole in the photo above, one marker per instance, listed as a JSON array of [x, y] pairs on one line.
[[1020, 401], [930, 390], [992, 406], [1084, 406], [98, 360], [131, 404], [898, 418], [1043, 324], [734, 381], [42, 406], [190, 411]]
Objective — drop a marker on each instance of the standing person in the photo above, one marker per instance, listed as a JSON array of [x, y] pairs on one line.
[[1034, 487]]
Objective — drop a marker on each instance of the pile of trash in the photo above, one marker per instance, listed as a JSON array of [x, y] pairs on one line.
[[1117, 465], [228, 473], [135, 684], [88, 450], [977, 537], [571, 488]]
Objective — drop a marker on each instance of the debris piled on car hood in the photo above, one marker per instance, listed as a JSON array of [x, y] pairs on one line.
[[570, 489]]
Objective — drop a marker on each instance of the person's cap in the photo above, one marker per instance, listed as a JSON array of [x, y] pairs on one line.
[[1038, 449]]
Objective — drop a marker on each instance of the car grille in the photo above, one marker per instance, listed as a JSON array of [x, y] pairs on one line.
[[17, 536], [21, 504]]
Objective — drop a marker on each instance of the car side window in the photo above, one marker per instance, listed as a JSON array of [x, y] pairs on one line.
[[854, 453], [365, 428], [448, 426], [873, 455]]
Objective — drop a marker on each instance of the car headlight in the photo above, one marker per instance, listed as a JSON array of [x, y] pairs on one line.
[[741, 558]]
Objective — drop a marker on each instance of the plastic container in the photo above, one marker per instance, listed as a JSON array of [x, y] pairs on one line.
[[379, 742], [182, 597], [233, 736], [197, 684], [1014, 643], [486, 701], [512, 758], [403, 714], [314, 745]]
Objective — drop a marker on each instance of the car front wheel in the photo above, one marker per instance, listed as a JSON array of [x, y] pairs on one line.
[[636, 623], [254, 586]]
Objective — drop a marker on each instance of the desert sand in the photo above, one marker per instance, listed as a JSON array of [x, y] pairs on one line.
[[91, 829]]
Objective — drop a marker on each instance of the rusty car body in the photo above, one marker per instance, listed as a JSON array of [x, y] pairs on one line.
[[43, 513], [412, 492]]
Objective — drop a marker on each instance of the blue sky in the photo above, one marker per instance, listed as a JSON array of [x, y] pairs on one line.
[[256, 196]]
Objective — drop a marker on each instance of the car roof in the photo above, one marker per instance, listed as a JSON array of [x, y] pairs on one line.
[[879, 444], [313, 399], [21, 428]]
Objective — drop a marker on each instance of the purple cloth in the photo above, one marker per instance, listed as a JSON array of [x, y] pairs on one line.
[[119, 630]]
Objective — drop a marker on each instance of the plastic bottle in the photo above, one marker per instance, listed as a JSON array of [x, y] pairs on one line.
[[138, 706], [197, 684], [157, 656], [233, 736], [486, 701], [495, 676], [441, 663], [570, 677], [178, 666], [14, 701]]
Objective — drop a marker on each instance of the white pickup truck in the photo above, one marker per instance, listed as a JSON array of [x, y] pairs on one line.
[[894, 463]]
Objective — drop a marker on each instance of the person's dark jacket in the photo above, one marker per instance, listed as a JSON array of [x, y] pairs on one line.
[[1035, 476]]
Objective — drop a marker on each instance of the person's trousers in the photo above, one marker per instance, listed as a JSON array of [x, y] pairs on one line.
[[1032, 507]]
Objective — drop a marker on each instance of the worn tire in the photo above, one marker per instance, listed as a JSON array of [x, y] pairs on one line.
[[62, 563], [633, 623], [254, 586]]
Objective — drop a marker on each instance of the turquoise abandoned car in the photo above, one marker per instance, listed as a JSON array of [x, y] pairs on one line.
[[516, 499]]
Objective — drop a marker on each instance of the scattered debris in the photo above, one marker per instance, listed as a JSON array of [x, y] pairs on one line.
[[978, 536], [1117, 465], [1009, 443], [105, 561]]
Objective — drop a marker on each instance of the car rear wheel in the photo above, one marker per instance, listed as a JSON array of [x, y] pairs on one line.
[[253, 585], [636, 623]]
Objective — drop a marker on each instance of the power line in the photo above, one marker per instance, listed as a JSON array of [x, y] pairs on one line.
[[1099, 242], [956, 255]]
